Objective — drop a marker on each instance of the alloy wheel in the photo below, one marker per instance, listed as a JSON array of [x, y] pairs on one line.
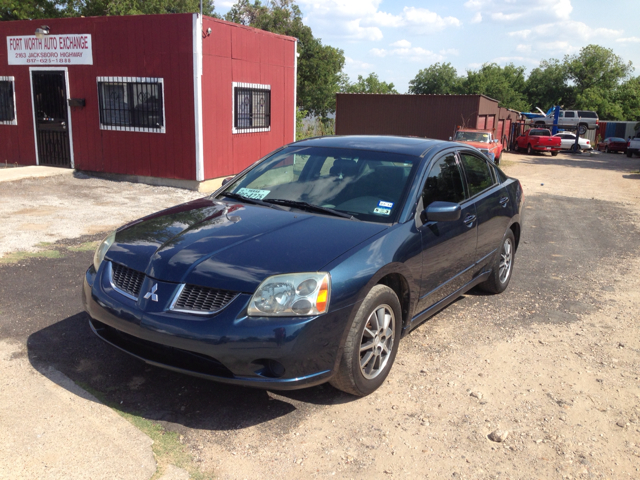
[[377, 341], [504, 268]]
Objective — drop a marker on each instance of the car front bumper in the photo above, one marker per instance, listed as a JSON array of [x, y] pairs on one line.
[[283, 353]]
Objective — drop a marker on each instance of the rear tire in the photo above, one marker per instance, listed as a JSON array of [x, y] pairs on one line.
[[629, 154], [606, 149], [582, 129], [554, 154], [502, 266], [529, 150], [372, 343], [574, 148]]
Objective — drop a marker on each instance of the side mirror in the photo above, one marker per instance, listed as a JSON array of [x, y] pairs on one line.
[[226, 180], [442, 212]]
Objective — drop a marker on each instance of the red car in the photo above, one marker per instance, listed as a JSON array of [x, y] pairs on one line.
[[613, 144], [481, 139], [538, 140]]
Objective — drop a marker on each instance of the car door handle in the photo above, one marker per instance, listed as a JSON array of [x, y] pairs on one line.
[[504, 201], [469, 220]]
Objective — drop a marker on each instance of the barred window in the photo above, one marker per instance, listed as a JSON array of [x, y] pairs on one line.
[[7, 101], [251, 107], [131, 104]]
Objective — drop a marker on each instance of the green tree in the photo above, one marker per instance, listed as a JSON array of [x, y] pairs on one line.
[[628, 96], [136, 7], [370, 84], [547, 85], [436, 79], [319, 65], [30, 9], [598, 75], [505, 84]]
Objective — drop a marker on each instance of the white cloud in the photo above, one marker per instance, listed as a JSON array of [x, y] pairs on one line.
[[569, 30], [357, 65], [523, 48], [414, 54], [517, 60], [477, 18], [450, 51], [362, 19], [509, 10], [628, 40], [401, 44], [502, 17]]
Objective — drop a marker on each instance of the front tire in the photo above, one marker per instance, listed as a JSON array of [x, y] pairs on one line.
[[529, 150], [372, 343], [502, 266], [499, 159], [606, 149]]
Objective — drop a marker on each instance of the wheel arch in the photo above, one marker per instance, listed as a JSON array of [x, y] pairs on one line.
[[399, 284], [515, 228]]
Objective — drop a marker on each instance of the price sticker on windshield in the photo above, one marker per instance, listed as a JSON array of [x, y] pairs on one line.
[[253, 193]]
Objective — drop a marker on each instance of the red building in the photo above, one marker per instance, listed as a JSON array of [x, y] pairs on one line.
[[168, 96]]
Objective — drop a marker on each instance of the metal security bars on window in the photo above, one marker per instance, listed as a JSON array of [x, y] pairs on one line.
[[131, 104], [7, 105], [252, 108]]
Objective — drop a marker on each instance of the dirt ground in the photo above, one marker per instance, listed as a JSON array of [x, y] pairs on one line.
[[549, 369]]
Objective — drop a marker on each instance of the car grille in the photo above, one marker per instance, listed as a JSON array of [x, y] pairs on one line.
[[204, 300], [127, 279]]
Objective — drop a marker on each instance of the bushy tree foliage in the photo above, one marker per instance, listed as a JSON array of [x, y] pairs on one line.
[[370, 84], [438, 79], [593, 79], [30, 9], [319, 65], [505, 84]]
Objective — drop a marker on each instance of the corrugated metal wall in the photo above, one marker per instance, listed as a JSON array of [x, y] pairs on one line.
[[432, 116], [233, 53], [133, 46]]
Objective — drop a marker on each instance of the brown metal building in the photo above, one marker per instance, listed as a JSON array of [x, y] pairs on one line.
[[431, 116]]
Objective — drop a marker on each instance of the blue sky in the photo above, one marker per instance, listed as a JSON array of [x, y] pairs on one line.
[[397, 38]]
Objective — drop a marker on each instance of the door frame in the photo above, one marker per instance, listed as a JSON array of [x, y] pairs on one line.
[[33, 108]]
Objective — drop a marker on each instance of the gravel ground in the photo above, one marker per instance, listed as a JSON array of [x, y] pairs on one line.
[[37, 210], [538, 382]]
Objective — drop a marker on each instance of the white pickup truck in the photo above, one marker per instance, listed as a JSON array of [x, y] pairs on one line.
[[633, 146], [583, 119]]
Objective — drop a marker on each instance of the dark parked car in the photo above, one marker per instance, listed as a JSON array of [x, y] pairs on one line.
[[613, 144], [310, 265]]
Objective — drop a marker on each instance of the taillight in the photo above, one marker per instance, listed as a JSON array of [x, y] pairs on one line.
[[587, 142]]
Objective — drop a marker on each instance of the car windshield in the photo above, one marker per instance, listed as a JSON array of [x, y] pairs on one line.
[[362, 184], [472, 137]]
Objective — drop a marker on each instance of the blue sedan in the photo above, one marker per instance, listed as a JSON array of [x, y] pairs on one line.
[[310, 265]]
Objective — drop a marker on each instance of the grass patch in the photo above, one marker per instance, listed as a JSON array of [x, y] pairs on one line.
[[634, 171], [84, 247], [504, 163], [166, 446], [19, 256]]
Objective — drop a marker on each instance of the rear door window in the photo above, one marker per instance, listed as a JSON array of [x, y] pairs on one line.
[[570, 114], [478, 173], [444, 182]]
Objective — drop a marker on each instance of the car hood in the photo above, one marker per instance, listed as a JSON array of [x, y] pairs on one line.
[[234, 246]]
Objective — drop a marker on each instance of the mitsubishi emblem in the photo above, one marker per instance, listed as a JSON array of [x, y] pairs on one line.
[[151, 294]]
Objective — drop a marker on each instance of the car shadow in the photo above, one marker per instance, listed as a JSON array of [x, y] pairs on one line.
[[633, 176], [134, 387]]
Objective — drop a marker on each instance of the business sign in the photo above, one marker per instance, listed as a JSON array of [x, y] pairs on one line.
[[73, 49]]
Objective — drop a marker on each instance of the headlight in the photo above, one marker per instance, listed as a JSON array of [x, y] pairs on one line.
[[101, 251], [296, 294]]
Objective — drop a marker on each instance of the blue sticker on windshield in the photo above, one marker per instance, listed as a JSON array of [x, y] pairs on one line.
[[253, 193], [385, 204], [382, 211]]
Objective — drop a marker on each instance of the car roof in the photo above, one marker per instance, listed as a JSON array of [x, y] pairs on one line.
[[381, 143]]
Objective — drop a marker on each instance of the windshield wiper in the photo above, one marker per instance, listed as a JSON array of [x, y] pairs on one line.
[[253, 201], [309, 206]]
